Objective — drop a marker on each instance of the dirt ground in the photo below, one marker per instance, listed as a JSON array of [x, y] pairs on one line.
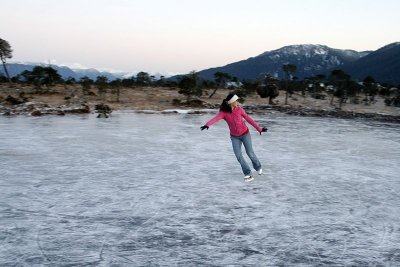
[[160, 98]]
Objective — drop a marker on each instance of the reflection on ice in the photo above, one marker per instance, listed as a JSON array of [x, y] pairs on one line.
[[151, 189]]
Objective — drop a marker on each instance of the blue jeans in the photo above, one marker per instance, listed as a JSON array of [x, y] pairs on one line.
[[237, 142]]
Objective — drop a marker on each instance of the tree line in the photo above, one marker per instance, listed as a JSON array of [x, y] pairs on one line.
[[338, 85]]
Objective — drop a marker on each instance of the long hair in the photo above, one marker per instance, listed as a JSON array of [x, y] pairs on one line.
[[224, 105]]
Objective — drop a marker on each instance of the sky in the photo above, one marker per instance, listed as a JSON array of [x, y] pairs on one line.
[[178, 36]]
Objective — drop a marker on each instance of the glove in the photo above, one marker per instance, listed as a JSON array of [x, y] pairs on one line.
[[204, 127], [264, 130]]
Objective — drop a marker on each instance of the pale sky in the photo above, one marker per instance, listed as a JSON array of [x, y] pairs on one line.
[[178, 36]]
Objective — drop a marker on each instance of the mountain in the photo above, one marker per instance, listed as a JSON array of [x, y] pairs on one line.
[[383, 65], [16, 68], [93, 74], [310, 60]]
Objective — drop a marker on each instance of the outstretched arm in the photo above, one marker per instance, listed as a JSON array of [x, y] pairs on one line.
[[252, 122], [219, 116]]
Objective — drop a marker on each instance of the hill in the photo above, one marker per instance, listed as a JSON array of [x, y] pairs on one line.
[[17, 68], [310, 60], [383, 65]]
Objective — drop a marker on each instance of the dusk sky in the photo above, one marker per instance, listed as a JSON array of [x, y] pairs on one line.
[[178, 36]]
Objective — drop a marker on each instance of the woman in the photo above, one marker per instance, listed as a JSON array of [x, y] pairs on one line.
[[233, 114]]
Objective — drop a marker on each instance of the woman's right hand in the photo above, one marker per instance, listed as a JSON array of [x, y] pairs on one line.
[[264, 130], [204, 127]]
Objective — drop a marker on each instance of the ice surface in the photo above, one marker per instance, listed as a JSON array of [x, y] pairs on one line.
[[154, 190]]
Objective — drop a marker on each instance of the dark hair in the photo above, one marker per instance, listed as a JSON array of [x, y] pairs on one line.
[[224, 105]]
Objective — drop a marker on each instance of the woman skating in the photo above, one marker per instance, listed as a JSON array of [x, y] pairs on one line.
[[233, 114]]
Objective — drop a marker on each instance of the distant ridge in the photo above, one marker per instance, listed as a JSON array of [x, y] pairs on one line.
[[17, 68], [314, 59], [310, 59], [383, 65]]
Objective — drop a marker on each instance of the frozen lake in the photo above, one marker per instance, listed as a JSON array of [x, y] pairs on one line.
[[154, 190]]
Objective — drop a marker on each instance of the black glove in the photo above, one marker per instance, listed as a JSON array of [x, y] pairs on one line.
[[264, 130], [204, 127]]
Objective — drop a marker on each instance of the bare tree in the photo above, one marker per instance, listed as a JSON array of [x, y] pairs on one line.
[[267, 87], [190, 85], [289, 70], [341, 80], [220, 79], [102, 84], [5, 52]]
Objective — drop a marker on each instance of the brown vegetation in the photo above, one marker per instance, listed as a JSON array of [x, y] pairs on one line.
[[161, 98]]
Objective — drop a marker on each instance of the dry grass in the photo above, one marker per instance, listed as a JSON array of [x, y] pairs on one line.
[[159, 98]]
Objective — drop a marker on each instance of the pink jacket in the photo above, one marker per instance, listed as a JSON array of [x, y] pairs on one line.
[[235, 121]]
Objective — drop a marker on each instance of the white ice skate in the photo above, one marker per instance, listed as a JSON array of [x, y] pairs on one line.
[[248, 178]]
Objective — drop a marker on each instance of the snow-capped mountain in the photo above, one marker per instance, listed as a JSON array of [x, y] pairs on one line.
[[310, 60], [17, 68], [93, 74]]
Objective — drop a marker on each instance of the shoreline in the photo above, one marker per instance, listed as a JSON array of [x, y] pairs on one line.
[[40, 109], [151, 100]]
